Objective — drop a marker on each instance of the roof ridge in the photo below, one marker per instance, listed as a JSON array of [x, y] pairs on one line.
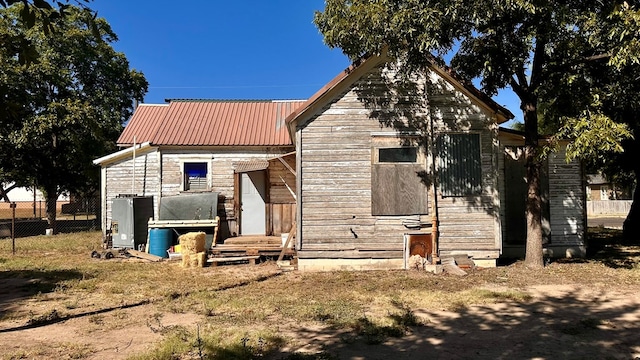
[[234, 100]]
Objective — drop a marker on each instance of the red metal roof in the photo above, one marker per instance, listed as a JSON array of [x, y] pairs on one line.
[[212, 123], [143, 124]]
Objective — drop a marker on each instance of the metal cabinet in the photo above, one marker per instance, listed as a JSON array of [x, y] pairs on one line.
[[130, 216]]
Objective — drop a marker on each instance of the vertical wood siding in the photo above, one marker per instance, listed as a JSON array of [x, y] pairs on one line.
[[566, 200]]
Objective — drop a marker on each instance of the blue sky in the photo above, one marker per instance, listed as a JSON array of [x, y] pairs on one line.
[[241, 49]]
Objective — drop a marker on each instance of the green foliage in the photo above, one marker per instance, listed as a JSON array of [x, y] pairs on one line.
[[593, 135], [65, 108]]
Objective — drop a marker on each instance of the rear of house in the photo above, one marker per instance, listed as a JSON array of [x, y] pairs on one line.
[[389, 169], [236, 149]]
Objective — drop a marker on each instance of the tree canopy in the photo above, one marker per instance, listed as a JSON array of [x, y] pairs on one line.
[[65, 108], [541, 50]]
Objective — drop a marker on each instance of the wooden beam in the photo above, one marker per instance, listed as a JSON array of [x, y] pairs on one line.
[[143, 255], [287, 166]]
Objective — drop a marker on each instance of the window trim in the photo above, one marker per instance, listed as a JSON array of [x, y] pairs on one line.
[[387, 141], [195, 160]]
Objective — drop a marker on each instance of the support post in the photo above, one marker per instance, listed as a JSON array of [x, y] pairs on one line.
[[13, 228]]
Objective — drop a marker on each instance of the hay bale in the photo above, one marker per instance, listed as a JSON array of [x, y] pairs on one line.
[[202, 259], [192, 242], [186, 260], [193, 261]]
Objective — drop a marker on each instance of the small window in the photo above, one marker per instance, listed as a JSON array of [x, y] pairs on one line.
[[398, 155], [459, 164], [195, 176]]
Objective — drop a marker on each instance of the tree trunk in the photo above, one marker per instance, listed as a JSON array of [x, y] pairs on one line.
[[51, 196], [631, 225], [533, 256]]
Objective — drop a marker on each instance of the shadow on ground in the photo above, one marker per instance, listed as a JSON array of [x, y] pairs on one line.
[[568, 324]]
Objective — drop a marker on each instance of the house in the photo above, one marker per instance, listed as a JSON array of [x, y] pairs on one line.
[[374, 168], [601, 188], [238, 149], [388, 168]]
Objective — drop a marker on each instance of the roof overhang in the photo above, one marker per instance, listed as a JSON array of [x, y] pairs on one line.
[[125, 153], [262, 164]]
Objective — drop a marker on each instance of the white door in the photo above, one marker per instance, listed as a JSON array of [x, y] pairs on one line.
[[252, 202]]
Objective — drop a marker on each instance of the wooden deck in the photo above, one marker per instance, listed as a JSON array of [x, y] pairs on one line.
[[262, 246]]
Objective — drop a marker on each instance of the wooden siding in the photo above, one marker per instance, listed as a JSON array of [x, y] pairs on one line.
[[335, 176], [564, 220], [566, 200], [221, 180], [467, 224], [120, 180]]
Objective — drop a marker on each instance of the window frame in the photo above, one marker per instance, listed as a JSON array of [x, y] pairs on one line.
[[395, 141], [183, 175]]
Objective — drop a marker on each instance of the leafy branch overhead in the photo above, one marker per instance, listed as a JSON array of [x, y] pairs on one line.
[[66, 107]]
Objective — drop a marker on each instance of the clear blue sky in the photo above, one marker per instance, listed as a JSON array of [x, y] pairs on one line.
[[239, 49]]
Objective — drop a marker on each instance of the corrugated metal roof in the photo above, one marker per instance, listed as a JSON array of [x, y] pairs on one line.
[[143, 124], [214, 123], [250, 165]]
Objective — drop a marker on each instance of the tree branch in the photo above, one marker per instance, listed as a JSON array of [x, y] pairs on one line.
[[538, 61]]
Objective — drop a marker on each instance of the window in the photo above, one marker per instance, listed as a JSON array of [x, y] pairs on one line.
[[398, 155], [397, 179], [459, 164], [195, 176]]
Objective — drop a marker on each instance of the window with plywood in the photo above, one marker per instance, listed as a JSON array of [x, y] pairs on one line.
[[398, 170]]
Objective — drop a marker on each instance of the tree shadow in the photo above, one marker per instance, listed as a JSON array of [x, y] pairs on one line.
[[420, 105], [609, 247], [23, 284], [570, 324]]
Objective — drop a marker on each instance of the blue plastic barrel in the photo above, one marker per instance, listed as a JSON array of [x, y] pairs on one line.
[[160, 241]]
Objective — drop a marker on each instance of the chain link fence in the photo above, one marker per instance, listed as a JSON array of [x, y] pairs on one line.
[[23, 219]]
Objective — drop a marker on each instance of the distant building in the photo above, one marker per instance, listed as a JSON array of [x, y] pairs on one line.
[[600, 188]]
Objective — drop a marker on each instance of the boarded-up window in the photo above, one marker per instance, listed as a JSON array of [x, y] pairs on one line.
[[459, 164], [195, 176], [397, 174]]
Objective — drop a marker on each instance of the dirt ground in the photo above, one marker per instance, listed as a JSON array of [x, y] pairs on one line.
[[560, 321]]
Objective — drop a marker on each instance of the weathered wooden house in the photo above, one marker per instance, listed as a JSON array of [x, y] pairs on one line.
[[239, 149], [383, 164]]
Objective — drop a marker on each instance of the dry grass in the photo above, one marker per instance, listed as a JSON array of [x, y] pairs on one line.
[[245, 306]]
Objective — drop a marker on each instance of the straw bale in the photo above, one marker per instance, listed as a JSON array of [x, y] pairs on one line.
[[186, 260], [192, 242], [202, 259], [193, 261]]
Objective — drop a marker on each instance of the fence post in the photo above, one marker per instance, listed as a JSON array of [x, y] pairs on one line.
[[13, 228]]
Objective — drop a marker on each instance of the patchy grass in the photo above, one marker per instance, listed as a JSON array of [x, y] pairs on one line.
[[244, 307]]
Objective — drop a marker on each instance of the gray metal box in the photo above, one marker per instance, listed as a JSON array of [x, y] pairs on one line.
[[129, 219]]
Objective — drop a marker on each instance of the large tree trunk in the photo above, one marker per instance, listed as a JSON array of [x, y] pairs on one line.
[[51, 195], [533, 256], [631, 225]]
